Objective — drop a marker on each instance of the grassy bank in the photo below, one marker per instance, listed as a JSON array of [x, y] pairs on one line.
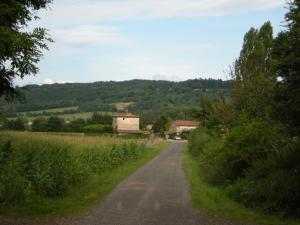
[[214, 201], [83, 169]]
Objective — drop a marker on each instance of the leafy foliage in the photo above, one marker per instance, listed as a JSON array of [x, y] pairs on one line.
[[20, 51], [253, 150], [17, 124], [287, 57]]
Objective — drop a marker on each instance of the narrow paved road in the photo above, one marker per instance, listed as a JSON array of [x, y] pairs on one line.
[[157, 194]]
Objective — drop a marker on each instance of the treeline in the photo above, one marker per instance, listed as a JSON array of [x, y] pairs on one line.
[[99, 124], [100, 96], [158, 120], [250, 145]]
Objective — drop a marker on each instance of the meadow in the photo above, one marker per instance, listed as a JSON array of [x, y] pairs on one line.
[[53, 175]]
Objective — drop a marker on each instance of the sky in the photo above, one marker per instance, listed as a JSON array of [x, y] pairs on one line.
[[102, 40]]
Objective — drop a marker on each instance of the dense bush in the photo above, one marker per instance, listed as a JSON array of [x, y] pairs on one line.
[[199, 139], [75, 125], [272, 184], [16, 124], [39, 125], [48, 169], [185, 134], [55, 124], [247, 142], [206, 146], [259, 167]]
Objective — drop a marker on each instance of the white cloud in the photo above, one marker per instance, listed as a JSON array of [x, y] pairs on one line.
[[88, 11], [51, 81], [89, 35]]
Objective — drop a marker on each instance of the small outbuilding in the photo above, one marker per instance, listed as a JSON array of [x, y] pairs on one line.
[[178, 126], [126, 123]]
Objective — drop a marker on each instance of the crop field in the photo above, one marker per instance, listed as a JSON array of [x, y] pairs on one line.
[[76, 141], [51, 174]]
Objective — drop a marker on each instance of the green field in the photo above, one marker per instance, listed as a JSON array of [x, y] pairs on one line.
[[54, 110], [47, 175], [214, 201], [66, 117], [121, 106]]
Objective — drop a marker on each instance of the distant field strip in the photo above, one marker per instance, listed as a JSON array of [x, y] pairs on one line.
[[50, 110]]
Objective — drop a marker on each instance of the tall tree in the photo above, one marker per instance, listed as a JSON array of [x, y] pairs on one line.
[[254, 79], [287, 55], [20, 50]]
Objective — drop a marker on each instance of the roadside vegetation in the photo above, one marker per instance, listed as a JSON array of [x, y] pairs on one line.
[[215, 201], [54, 175], [248, 147]]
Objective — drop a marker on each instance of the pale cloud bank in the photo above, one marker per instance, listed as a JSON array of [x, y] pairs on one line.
[[89, 35], [90, 11]]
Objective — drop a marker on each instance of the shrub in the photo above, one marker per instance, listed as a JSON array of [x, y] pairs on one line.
[[39, 124], [198, 140], [185, 134], [55, 124], [272, 184], [17, 124], [246, 143]]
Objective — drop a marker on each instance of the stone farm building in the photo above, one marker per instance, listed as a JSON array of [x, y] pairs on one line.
[[127, 123], [178, 126]]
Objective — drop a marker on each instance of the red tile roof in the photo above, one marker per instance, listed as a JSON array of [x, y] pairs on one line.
[[187, 123]]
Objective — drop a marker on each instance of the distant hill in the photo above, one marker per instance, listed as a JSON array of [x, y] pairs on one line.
[[103, 96]]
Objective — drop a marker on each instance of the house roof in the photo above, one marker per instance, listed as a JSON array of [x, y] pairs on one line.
[[187, 123], [126, 115]]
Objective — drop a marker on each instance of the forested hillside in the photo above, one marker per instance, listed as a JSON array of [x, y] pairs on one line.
[[100, 96]]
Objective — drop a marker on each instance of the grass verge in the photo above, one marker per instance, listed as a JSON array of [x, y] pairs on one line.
[[84, 197], [213, 200]]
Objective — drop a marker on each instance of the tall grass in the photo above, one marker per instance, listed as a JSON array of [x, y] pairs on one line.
[[50, 166], [77, 141]]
